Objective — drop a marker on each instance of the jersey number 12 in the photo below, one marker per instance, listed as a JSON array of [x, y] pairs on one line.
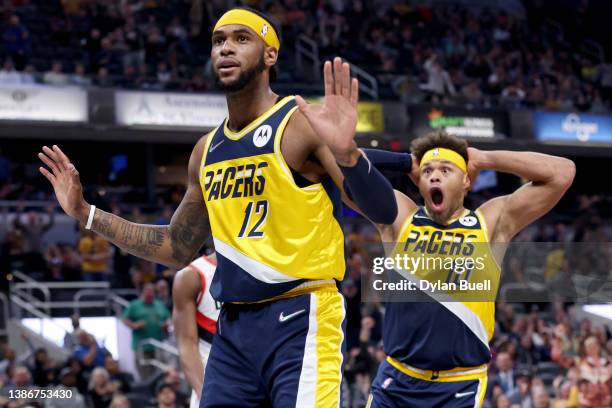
[[260, 208]]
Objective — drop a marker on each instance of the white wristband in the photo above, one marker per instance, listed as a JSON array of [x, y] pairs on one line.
[[92, 211]]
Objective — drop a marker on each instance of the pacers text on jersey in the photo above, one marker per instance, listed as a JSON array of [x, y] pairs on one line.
[[245, 180]]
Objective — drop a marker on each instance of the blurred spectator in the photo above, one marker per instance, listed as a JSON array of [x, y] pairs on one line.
[[21, 379], [505, 376], [68, 380], [79, 77], [521, 395], [8, 74], [71, 339], [16, 42], [103, 79], [100, 388], [597, 371], [56, 76], [45, 370], [166, 396], [149, 319], [120, 401], [95, 252], [540, 397], [34, 227], [122, 379], [7, 361], [162, 293], [89, 353], [75, 368], [438, 79]]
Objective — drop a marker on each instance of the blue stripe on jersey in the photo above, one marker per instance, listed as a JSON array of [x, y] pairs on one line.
[[418, 334], [334, 196], [222, 148], [231, 283]]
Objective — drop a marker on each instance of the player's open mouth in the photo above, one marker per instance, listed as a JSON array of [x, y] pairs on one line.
[[437, 197], [226, 67]]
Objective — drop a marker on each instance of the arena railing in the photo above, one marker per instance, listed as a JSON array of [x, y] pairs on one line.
[[166, 355], [308, 49], [368, 83]]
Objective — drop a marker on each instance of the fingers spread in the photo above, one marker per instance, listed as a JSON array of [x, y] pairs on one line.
[[328, 78], [48, 175], [53, 156], [50, 163], [354, 91], [61, 155], [338, 76], [345, 78]]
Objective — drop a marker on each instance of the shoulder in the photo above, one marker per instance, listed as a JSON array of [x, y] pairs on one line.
[[298, 126], [186, 284]]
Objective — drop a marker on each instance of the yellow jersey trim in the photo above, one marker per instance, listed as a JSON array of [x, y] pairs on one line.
[[280, 132], [407, 223], [209, 137], [257, 121], [455, 374]]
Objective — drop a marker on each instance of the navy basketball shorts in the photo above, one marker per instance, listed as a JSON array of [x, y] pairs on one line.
[[282, 354], [399, 386]]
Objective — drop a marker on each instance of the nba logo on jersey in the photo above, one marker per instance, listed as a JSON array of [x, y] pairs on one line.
[[262, 135], [264, 30]]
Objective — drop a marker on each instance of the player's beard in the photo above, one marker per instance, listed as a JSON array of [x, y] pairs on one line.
[[245, 78]]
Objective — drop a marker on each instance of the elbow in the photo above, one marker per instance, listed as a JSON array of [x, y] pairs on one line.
[[564, 173]]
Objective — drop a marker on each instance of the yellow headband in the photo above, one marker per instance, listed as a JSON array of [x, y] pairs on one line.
[[259, 25], [440, 153]]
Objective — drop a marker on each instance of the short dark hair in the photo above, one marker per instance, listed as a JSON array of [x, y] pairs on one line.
[[438, 138], [277, 28], [163, 386]]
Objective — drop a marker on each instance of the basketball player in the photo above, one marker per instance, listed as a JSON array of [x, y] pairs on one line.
[[438, 349], [267, 184], [194, 317]]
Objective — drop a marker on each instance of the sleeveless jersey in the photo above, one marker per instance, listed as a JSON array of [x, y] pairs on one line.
[[207, 312], [270, 235], [452, 327]]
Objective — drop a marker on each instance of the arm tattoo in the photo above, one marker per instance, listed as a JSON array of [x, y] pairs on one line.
[[103, 225], [138, 239], [189, 229]]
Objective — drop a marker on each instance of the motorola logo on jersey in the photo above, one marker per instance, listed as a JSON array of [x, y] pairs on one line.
[[468, 220], [246, 180], [262, 135], [440, 242]]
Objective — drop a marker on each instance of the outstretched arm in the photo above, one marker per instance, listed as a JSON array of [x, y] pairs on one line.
[[335, 123], [185, 290], [174, 245], [549, 178]]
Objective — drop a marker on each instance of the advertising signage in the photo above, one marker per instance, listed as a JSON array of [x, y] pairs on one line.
[[572, 127], [481, 124]]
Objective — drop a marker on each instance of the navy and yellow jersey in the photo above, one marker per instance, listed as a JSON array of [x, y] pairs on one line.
[[271, 236], [452, 327]]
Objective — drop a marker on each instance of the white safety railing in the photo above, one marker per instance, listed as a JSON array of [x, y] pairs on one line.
[[166, 355], [307, 50], [23, 306], [368, 84], [24, 290]]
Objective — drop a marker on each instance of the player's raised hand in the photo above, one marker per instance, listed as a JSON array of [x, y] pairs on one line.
[[64, 178], [474, 164], [336, 120]]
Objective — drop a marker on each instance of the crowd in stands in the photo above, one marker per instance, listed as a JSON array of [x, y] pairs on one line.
[[445, 54], [543, 354]]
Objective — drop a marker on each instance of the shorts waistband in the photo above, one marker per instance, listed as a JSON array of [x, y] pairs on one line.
[[302, 289], [454, 374]]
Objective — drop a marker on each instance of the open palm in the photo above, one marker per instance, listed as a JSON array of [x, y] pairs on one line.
[[64, 178], [336, 120]]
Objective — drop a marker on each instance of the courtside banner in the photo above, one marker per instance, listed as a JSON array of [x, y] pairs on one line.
[[572, 127], [370, 115], [472, 123], [169, 109], [43, 103]]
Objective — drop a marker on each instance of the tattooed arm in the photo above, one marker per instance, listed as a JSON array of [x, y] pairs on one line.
[[174, 245]]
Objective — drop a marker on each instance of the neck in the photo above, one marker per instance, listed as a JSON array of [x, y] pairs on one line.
[[444, 218], [246, 105]]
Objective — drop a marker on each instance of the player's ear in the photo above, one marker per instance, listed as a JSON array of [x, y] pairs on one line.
[[270, 56], [467, 183]]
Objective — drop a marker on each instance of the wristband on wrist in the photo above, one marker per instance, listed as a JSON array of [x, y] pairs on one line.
[[92, 212]]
